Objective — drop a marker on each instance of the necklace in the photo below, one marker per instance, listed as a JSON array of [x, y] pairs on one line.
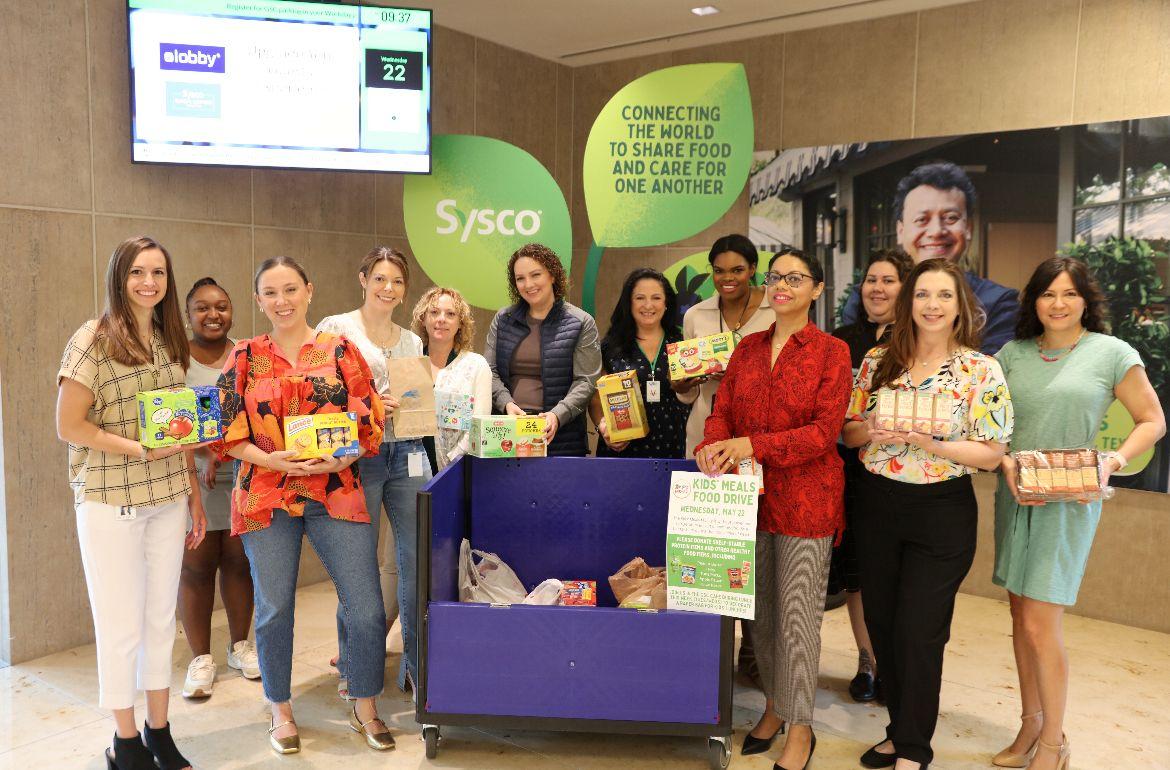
[[742, 313], [1051, 359], [927, 364], [384, 343]]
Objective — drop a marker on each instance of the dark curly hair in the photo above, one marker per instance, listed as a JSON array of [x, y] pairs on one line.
[[623, 329], [902, 263], [1096, 317], [548, 259]]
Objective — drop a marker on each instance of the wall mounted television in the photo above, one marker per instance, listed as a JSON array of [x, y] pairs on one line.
[[268, 83]]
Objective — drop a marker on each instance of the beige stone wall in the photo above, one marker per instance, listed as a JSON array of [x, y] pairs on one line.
[[68, 194]]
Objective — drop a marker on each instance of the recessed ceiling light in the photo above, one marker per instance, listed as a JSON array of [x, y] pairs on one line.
[[704, 10]]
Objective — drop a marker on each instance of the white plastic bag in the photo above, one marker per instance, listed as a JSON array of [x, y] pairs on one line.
[[547, 593], [490, 581]]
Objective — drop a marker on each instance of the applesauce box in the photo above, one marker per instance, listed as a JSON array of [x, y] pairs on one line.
[[700, 356], [507, 436], [322, 435], [621, 402], [178, 415]]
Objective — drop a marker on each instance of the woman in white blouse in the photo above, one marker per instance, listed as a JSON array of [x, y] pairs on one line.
[[463, 380]]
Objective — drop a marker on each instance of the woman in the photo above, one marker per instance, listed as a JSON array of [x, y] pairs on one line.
[[1064, 370], [278, 500], [442, 318], [781, 402], [884, 275], [543, 351], [132, 502], [392, 478], [642, 324], [915, 516], [209, 316]]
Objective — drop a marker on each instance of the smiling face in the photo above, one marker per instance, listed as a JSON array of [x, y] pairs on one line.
[[935, 303], [732, 275], [533, 282], [442, 320], [648, 303], [210, 313], [787, 300], [384, 287], [284, 297], [1060, 307], [934, 224], [146, 282], [879, 290]]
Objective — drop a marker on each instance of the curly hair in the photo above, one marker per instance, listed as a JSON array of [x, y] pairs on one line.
[[902, 263], [1096, 316], [548, 259], [464, 335]]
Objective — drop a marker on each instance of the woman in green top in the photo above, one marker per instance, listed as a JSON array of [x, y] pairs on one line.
[[1063, 371]]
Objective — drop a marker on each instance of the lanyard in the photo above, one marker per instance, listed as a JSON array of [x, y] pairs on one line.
[[654, 361]]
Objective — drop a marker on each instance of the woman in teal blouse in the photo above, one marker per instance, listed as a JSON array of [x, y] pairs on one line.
[[1063, 371]]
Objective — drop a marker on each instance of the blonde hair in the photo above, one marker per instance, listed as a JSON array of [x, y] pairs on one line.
[[464, 335]]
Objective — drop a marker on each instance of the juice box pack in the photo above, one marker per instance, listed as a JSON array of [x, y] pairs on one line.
[[178, 416], [579, 593], [507, 436], [905, 409], [621, 401], [322, 435], [700, 356]]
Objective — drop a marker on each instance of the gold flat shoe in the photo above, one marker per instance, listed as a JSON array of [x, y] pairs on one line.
[[379, 741], [288, 745]]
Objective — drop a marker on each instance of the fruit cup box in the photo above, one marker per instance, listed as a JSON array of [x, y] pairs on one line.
[[579, 593], [621, 401], [322, 435], [700, 356], [507, 436], [178, 416]]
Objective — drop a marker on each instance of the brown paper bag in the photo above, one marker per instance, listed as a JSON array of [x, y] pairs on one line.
[[637, 579], [411, 383]]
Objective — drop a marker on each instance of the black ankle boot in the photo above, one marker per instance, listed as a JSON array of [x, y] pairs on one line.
[[129, 754], [163, 747]]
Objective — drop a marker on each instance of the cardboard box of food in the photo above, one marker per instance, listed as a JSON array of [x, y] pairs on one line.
[[1052, 475], [621, 402], [178, 416], [579, 593], [322, 435], [700, 356], [507, 436]]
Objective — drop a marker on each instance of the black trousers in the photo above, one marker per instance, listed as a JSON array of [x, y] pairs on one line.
[[915, 544]]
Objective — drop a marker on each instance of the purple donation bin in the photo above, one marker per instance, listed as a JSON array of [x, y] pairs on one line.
[[593, 669]]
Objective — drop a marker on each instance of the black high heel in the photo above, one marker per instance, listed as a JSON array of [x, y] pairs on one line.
[[812, 747], [129, 754], [162, 746], [754, 745]]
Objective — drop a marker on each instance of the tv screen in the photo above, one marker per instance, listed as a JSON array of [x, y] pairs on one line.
[[280, 84]]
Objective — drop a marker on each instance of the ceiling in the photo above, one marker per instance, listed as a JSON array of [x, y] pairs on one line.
[[579, 32]]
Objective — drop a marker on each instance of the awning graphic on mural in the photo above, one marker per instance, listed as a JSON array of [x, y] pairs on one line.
[[791, 167]]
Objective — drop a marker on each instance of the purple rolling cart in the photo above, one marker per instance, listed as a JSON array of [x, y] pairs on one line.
[[590, 669]]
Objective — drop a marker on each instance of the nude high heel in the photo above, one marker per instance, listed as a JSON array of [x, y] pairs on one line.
[[1064, 753], [1008, 758]]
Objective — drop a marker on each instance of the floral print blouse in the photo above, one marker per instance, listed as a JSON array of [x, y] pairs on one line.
[[260, 388], [982, 411]]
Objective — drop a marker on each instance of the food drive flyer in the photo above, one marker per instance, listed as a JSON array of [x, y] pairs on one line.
[[711, 544]]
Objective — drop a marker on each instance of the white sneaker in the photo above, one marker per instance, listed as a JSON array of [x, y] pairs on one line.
[[242, 657], [200, 677]]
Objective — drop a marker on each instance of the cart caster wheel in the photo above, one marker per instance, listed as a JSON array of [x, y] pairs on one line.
[[431, 738], [719, 753]]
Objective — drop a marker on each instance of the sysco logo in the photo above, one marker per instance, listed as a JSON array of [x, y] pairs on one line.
[[486, 221], [191, 58]]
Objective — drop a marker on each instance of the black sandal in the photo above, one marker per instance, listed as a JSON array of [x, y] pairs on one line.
[[129, 754], [162, 746]]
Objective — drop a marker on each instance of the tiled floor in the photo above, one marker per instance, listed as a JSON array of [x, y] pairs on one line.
[[1119, 702]]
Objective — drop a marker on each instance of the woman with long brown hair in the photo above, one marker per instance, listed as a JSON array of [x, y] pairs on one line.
[[916, 515], [132, 502]]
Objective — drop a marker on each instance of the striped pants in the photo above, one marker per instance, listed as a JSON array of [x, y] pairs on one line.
[[791, 573]]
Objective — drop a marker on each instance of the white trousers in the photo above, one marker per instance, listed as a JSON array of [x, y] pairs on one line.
[[132, 570]]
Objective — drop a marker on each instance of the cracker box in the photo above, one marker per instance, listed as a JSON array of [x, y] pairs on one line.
[[507, 436], [178, 416], [700, 356], [579, 593], [322, 435], [621, 401]]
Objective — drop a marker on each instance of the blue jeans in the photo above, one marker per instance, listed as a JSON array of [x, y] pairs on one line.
[[387, 482], [349, 555]]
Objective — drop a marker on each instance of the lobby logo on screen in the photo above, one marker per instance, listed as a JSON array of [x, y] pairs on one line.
[[191, 58]]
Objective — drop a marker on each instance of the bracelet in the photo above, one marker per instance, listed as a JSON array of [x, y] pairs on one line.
[[145, 452], [1121, 461]]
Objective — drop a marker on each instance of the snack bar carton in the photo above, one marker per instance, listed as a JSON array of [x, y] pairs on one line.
[[1049, 475], [178, 416], [700, 356], [579, 593], [621, 401], [507, 436], [322, 435], [887, 413]]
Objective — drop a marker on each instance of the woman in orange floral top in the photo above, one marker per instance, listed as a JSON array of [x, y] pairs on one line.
[[292, 372]]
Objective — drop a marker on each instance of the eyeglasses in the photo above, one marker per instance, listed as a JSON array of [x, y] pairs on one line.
[[793, 279]]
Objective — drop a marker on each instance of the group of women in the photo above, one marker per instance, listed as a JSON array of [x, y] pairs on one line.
[[792, 397]]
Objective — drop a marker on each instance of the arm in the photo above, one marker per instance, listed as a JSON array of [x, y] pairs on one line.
[[852, 312], [74, 400], [1137, 395], [718, 425], [1001, 322], [687, 391], [481, 393], [501, 395], [586, 370], [856, 432]]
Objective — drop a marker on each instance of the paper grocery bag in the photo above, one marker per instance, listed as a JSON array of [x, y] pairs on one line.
[[411, 384], [636, 579]]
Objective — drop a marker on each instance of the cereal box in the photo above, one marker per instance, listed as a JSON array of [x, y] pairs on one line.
[[507, 436], [700, 356], [322, 435], [621, 401], [178, 416], [579, 593]]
